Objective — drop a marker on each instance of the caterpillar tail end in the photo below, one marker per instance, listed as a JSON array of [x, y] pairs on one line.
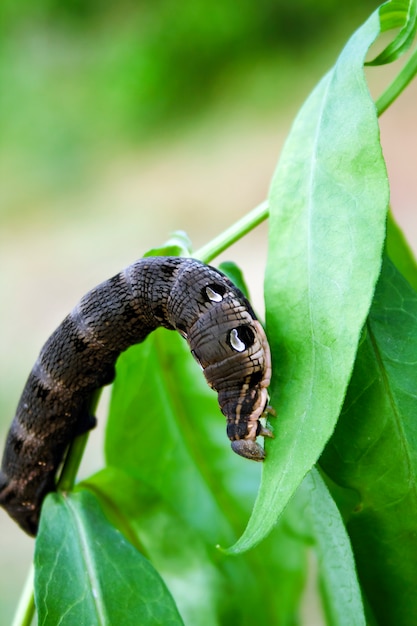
[[24, 514], [248, 449]]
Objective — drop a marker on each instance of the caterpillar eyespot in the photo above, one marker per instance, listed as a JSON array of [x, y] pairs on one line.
[[213, 295], [241, 338], [180, 294]]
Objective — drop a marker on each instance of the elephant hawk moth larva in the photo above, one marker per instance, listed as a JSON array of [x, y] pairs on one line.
[[177, 293]]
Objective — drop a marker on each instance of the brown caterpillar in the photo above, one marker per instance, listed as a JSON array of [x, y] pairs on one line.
[[183, 294]]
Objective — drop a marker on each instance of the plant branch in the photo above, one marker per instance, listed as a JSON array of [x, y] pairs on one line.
[[26, 607], [75, 452], [233, 233], [400, 82]]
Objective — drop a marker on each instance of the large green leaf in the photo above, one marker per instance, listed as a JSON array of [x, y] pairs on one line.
[[87, 573], [373, 453], [166, 433], [328, 204]]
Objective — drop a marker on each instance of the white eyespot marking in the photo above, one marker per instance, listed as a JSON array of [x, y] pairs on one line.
[[213, 295], [235, 342]]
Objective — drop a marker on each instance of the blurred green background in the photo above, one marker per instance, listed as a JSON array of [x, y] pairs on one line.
[[121, 122]]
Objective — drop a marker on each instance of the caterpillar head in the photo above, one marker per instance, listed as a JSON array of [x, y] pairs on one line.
[[248, 449]]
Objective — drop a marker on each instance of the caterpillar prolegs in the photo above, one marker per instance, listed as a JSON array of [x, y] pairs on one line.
[[182, 294]]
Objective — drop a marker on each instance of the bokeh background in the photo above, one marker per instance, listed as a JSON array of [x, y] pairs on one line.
[[122, 122]]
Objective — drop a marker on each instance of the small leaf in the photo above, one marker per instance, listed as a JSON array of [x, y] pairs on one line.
[[87, 573], [373, 453], [235, 274], [328, 204], [178, 244]]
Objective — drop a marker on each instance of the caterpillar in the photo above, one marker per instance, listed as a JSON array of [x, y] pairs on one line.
[[177, 293]]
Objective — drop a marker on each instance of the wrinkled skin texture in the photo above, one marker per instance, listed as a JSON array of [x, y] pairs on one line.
[[79, 358]]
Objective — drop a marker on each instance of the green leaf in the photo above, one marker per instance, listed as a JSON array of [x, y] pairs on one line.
[[328, 204], [373, 453], [87, 573], [179, 553], [205, 583], [400, 253]]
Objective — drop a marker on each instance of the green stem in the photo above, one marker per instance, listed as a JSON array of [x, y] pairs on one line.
[[233, 233], [26, 608], [72, 463], [75, 453], [400, 82]]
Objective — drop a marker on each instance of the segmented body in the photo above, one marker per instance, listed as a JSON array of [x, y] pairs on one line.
[[79, 358]]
